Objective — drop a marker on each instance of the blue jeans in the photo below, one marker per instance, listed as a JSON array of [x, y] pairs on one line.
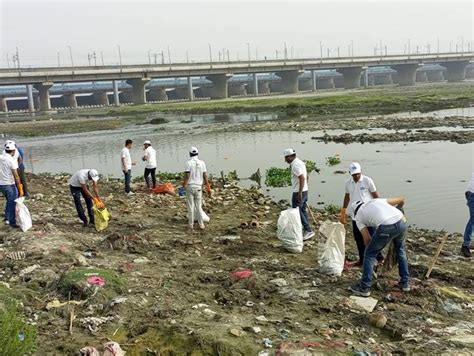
[[128, 178], [470, 223], [381, 238], [11, 193], [303, 212]]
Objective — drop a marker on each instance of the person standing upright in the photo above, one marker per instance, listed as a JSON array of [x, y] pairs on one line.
[[149, 157], [299, 184], [18, 156], [466, 245], [10, 185], [127, 163]]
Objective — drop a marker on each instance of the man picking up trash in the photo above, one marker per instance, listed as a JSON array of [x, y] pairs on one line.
[[390, 225], [195, 174], [79, 186], [299, 184], [9, 182], [149, 156]]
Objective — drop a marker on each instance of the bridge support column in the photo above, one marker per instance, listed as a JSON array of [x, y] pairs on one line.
[[313, 80], [325, 83], [190, 89], [255, 84], [157, 94], [138, 89], [44, 101], [116, 93], [181, 93], [304, 84], [237, 89], [101, 98], [421, 76], [289, 80], [470, 71], [365, 77], [406, 73], [263, 87], [29, 95], [351, 77], [219, 88], [70, 100], [455, 71], [3, 104]]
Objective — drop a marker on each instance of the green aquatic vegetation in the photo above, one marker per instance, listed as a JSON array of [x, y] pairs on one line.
[[333, 160], [281, 177], [332, 209]]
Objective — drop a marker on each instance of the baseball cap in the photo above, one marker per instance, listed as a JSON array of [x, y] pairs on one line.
[[354, 208], [355, 168], [147, 142], [10, 142], [193, 150], [289, 152], [94, 175], [9, 146]]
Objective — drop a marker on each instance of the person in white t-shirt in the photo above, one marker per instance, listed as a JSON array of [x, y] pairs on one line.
[[299, 186], [149, 157], [195, 175], [358, 187], [466, 245], [10, 185], [78, 185], [390, 225], [126, 163]]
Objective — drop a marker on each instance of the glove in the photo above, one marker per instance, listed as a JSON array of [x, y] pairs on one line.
[[99, 203], [20, 190], [342, 216]]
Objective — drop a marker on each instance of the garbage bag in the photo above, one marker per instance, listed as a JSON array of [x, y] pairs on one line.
[[23, 217], [331, 250], [101, 218], [205, 217], [290, 230], [165, 188]]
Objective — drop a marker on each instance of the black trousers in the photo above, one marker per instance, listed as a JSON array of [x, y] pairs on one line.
[[360, 242], [76, 194], [152, 172]]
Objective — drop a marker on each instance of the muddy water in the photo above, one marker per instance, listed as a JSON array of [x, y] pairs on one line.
[[431, 175]]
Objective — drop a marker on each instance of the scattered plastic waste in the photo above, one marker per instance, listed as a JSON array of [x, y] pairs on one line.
[[96, 280]]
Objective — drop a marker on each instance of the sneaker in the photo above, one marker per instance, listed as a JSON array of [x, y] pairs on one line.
[[466, 251], [357, 289], [130, 193], [7, 222], [308, 234], [405, 287]]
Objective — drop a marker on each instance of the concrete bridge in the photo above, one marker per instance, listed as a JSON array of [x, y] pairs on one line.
[[353, 72]]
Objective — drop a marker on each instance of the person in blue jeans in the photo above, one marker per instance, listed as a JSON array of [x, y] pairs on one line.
[[466, 245], [10, 185], [390, 225]]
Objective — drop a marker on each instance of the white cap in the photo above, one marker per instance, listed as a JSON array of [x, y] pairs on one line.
[[147, 142], [193, 150], [354, 208], [9, 146], [94, 175], [10, 142], [355, 168], [289, 152]]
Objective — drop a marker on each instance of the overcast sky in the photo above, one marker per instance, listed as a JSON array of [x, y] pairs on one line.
[[41, 29]]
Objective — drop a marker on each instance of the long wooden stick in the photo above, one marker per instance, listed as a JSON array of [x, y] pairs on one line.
[[435, 257], [312, 216], [72, 316]]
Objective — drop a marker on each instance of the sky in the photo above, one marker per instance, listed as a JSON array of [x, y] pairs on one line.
[[48, 32]]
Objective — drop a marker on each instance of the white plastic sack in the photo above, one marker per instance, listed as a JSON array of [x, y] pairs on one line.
[[23, 217], [205, 217], [290, 230], [331, 250]]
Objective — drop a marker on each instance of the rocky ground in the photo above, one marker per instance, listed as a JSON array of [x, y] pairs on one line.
[[172, 292]]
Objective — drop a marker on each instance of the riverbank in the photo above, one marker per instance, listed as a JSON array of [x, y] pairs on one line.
[[169, 291]]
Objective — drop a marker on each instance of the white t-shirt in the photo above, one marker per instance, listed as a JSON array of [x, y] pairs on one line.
[[298, 168], [150, 157], [377, 212], [7, 163], [16, 155], [196, 169], [360, 191], [470, 185], [80, 177], [125, 158]]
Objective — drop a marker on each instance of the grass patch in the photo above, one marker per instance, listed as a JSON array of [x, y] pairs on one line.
[[281, 177]]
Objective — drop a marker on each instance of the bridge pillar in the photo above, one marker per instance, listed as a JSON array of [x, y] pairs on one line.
[[289, 80], [138, 89], [304, 84], [219, 89], [70, 100], [190, 89], [237, 89], [3, 104], [326, 83], [116, 93], [313, 80], [351, 77], [44, 101], [406, 73], [421, 76], [264, 87], [470, 72], [101, 98], [29, 95], [455, 71], [157, 94], [181, 93], [255, 84]]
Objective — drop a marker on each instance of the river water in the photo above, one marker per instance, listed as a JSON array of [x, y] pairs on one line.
[[431, 175]]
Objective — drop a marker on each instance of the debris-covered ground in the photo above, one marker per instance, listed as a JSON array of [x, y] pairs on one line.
[[172, 292]]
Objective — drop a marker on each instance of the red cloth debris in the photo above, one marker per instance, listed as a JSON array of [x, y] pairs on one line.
[[96, 280], [238, 275]]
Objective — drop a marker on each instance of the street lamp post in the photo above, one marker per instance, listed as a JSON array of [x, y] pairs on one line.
[[149, 57], [248, 50], [120, 55], [70, 56], [57, 55]]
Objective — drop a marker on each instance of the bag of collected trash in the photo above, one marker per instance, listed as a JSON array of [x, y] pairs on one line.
[[165, 188], [290, 230], [23, 217], [331, 250], [101, 218], [205, 217]]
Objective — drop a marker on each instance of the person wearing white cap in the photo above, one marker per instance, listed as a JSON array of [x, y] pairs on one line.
[[10, 185], [358, 187], [299, 185], [18, 156], [126, 162], [386, 217], [149, 157], [195, 174], [78, 185]]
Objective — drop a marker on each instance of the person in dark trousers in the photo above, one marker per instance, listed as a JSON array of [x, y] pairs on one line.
[[127, 163], [10, 185], [21, 171], [469, 194], [149, 157], [79, 186]]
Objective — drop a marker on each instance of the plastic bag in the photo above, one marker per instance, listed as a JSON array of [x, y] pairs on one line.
[[205, 217], [165, 188], [290, 230], [331, 250], [23, 217], [101, 218]]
